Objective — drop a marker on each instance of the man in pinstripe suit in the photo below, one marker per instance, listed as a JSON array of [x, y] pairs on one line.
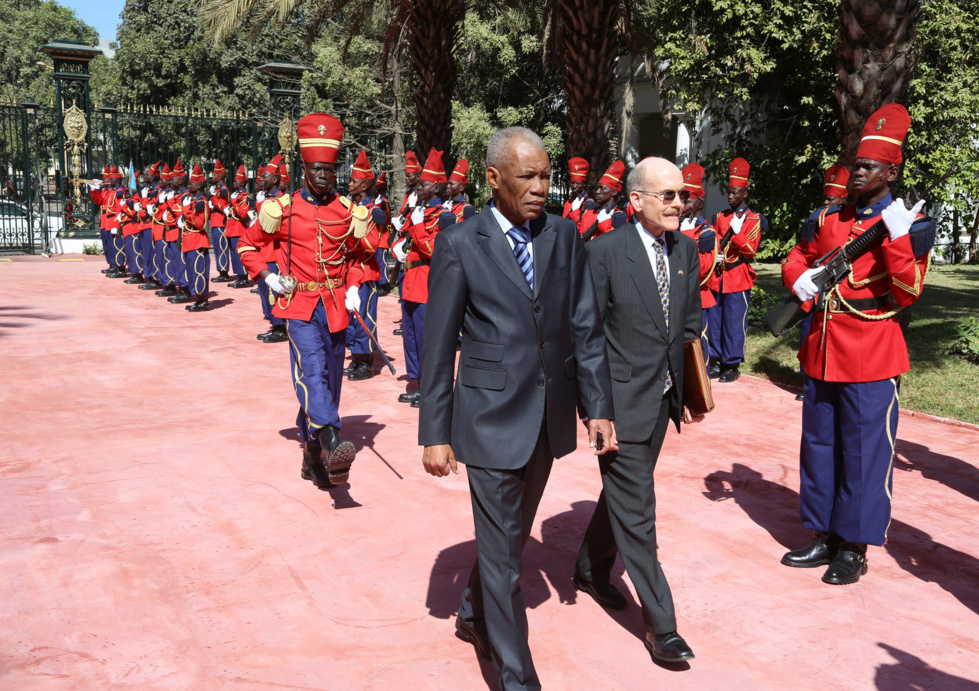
[[646, 281]]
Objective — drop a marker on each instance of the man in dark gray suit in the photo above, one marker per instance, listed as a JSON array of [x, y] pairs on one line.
[[646, 280], [515, 281]]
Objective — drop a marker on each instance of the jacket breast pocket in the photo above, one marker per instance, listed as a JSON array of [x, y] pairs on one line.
[[478, 378], [559, 272]]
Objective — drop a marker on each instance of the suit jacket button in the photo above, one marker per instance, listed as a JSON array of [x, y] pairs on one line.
[[536, 309], [542, 344], [540, 382]]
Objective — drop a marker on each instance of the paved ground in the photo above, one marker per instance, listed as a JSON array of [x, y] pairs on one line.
[[155, 533]]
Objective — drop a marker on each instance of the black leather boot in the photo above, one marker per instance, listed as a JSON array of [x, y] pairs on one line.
[[151, 284], [819, 552], [182, 296], [169, 291], [313, 469], [136, 279], [848, 566], [276, 335], [337, 454], [354, 361], [730, 374], [364, 368], [222, 277], [240, 282], [199, 306]]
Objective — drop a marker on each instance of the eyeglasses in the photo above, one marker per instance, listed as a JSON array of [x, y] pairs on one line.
[[668, 196]]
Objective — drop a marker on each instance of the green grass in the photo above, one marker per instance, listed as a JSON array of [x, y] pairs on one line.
[[938, 383]]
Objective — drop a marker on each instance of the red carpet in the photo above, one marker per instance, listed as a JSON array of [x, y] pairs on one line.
[[155, 532]]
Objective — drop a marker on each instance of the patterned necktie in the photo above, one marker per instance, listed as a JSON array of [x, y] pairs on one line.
[[663, 284], [520, 239]]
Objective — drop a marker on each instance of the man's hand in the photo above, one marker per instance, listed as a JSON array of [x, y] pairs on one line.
[[412, 199], [719, 258], [273, 282], [736, 222], [804, 287], [352, 299], [604, 215], [689, 417], [439, 460], [607, 430], [899, 219], [417, 216], [576, 203], [399, 250]]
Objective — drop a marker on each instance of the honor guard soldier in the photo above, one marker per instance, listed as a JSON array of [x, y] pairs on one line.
[[132, 225], [360, 344], [316, 228], [834, 187], [172, 234], [855, 354], [422, 225], [384, 228], [695, 226], [740, 230], [161, 246], [112, 202], [194, 241], [269, 187], [455, 192], [217, 199], [239, 212], [604, 215], [578, 182], [97, 190], [148, 197], [412, 174]]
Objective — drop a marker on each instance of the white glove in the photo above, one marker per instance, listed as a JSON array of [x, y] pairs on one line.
[[377, 200], [180, 222], [273, 282], [211, 190], [417, 216], [412, 198], [604, 215], [804, 287], [576, 203], [185, 200], [397, 223], [120, 219], [114, 231], [687, 224], [352, 301], [736, 223], [399, 250], [898, 219], [137, 206], [252, 215], [719, 258], [95, 185], [447, 205], [151, 209], [146, 191], [260, 197]]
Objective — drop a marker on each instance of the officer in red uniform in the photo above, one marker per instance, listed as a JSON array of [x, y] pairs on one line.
[[358, 342], [854, 357], [834, 188], [320, 286], [172, 234], [422, 225], [147, 198], [97, 190], [603, 215], [217, 199], [455, 192], [381, 215], [695, 226], [578, 182], [131, 226], [268, 187], [412, 178], [195, 243], [113, 200], [240, 212], [729, 317]]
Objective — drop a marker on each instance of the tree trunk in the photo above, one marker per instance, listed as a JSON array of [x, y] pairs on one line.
[[434, 28], [973, 256], [398, 183], [873, 61], [626, 126], [956, 233], [589, 39]]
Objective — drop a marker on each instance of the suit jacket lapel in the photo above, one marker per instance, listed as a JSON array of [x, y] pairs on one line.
[[495, 244], [642, 274], [543, 236]]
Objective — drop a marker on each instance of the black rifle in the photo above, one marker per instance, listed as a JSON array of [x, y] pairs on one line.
[[837, 264]]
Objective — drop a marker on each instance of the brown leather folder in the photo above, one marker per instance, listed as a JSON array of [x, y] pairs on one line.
[[696, 381]]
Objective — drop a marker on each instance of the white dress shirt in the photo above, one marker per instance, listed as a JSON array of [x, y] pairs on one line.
[[505, 226], [647, 241]]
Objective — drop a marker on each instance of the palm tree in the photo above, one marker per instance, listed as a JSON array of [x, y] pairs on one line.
[[873, 61]]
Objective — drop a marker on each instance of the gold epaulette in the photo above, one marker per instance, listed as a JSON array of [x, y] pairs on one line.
[[270, 217], [345, 201]]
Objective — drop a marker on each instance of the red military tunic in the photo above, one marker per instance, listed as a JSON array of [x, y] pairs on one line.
[[156, 220], [322, 245], [462, 209], [239, 204], [194, 235], [384, 240], [589, 217], [110, 204], [174, 209], [419, 259], [364, 251], [219, 206], [738, 272], [707, 242], [97, 198], [867, 345], [269, 250]]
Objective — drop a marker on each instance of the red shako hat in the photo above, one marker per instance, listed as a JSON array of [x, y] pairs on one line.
[[411, 163], [434, 171], [884, 134], [737, 173], [578, 169], [836, 178], [197, 175], [154, 169], [362, 168], [284, 173], [114, 173], [273, 165], [106, 172], [613, 176], [218, 168], [178, 170], [382, 180], [241, 175], [319, 137], [461, 172], [693, 180], [165, 174]]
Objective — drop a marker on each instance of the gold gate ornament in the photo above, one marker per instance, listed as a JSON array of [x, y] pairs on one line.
[[76, 128]]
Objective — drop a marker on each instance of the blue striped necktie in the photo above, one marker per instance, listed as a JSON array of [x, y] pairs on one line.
[[520, 239]]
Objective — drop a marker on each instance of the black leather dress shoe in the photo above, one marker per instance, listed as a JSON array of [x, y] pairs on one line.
[[819, 552], [276, 335], [151, 284], [167, 292], [363, 370], [715, 370], [605, 594], [349, 369], [201, 306], [135, 280], [416, 404], [254, 290], [669, 647], [239, 283], [397, 332], [180, 298], [337, 455], [799, 397], [729, 375], [470, 635], [410, 397], [223, 278], [117, 274], [313, 469], [105, 271], [848, 566]]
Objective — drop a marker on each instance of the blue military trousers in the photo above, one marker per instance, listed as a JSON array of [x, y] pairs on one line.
[[267, 297], [316, 358], [847, 457], [134, 253], [412, 326], [236, 264], [146, 249], [198, 267], [728, 326], [117, 245], [175, 262], [222, 251]]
